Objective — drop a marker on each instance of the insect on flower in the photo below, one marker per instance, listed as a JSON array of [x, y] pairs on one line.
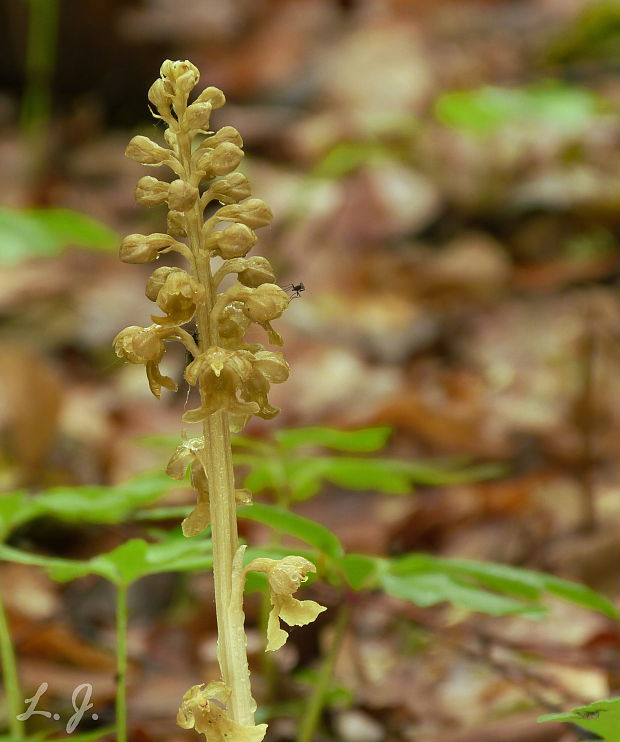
[[296, 288]]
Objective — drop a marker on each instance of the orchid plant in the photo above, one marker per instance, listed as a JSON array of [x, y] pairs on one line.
[[233, 376]]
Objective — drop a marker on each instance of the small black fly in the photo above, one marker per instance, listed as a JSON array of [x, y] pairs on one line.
[[296, 288]]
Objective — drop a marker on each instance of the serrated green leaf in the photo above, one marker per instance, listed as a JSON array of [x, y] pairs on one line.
[[360, 441], [99, 504], [601, 717], [426, 589], [284, 521], [362, 572]]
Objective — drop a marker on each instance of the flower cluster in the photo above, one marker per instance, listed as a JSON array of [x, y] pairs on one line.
[[230, 374]]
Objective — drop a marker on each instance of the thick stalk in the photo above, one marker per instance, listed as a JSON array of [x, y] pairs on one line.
[[10, 678], [232, 653], [121, 663]]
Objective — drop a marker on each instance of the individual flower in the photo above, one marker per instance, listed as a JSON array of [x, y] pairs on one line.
[[147, 152], [231, 189], [144, 345], [212, 95], [251, 272], [151, 192], [221, 160], [285, 577], [142, 248], [197, 116], [220, 374], [260, 305], [182, 195], [233, 242], [204, 708], [177, 297], [232, 325], [254, 213]]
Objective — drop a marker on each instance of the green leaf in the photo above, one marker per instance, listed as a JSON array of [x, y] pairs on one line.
[[360, 441], [485, 110], [525, 584], [601, 717], [46, 232], [304, 476], [265, 473], [16, 508], [426, 589], [138, 558], [291, 524], [127, 563], [362, 572], [70, 227], [99, 504], [383, 475], [346, 157]]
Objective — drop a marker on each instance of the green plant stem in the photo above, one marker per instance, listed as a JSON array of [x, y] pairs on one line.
[[40, 64], [10, 678], [121, 664], [315, 705]]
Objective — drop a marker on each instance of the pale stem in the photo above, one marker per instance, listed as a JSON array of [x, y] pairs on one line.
[[232, 653]]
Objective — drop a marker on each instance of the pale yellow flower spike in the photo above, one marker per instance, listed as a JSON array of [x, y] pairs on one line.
[[285, 577], [233, 376]]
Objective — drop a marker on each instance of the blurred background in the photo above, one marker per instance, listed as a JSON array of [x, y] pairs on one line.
[[445, 179]]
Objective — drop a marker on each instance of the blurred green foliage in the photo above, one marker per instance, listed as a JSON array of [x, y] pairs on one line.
[[482, 111], [43, 233]]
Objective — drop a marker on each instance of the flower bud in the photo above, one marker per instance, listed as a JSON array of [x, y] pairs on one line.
[[182, 195], [212, 95], [231, 189], [257, 271], [221, 160], [140, 248], [174, 71], [138, 345], [159, 98], [233, 242], [225, 134], [151, 192], [254, 213], [197, 116], [265, 303], [157, 280], [177, 298], [176, 224], [144, 150]]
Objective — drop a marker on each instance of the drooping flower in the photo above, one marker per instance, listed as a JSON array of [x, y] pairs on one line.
[[178, 297], [204, 709], [191, 454], [145, 345], [285, 577], [220, 374]]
